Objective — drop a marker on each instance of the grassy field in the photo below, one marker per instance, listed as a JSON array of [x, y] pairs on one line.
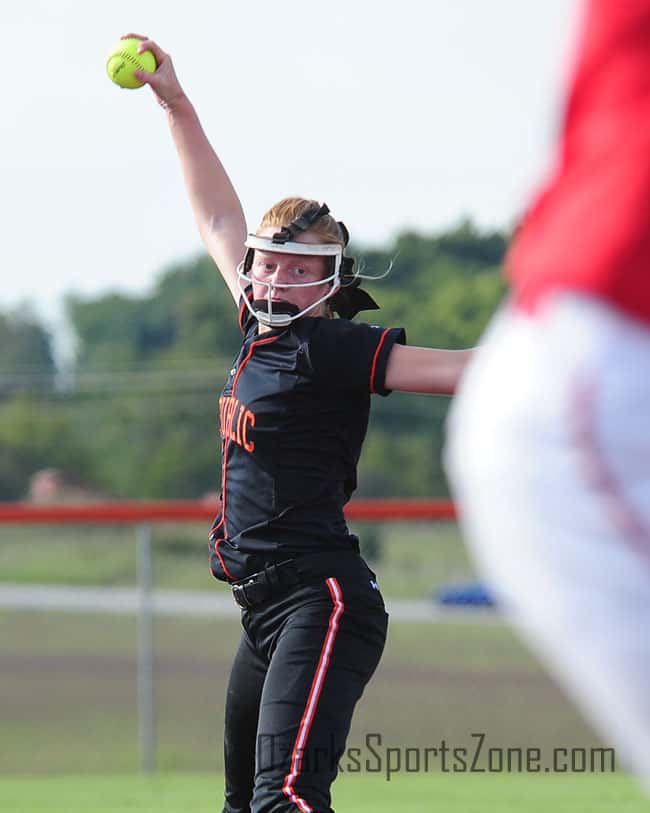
[[361, 794], [414, 557], [68, 713], [69, 692]]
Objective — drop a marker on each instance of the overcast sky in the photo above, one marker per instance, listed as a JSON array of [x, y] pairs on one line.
[[397, 114]]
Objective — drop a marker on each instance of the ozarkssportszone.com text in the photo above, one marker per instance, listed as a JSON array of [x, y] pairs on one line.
[[480, 756]]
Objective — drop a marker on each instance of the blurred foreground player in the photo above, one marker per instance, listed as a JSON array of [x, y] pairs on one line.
[[549, 440]]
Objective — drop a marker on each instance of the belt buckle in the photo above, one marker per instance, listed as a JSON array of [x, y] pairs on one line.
[[239, 594], [262, 584]]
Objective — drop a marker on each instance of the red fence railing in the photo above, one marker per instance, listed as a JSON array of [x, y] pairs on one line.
[[174, 510]]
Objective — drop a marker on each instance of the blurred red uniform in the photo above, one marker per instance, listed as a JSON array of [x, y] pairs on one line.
[[589, 229], [549, 439]]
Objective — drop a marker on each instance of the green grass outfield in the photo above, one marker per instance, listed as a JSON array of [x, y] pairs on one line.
[[359, 794], [414, 557], [68, 701]]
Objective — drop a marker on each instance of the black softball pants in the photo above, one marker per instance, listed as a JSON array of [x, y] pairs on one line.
[[303, 662]]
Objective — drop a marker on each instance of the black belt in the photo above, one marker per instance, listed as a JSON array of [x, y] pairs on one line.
[[278, 578], [257, 587]]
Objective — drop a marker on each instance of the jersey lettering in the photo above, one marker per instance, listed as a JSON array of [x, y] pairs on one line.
[[235, 421]]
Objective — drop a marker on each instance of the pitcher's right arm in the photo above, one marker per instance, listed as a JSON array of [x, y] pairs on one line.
[[215, 204]]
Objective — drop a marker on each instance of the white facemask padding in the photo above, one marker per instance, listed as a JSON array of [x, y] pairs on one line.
[[245, 279]]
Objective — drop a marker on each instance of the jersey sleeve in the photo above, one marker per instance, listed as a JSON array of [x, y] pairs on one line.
[[353, 356]]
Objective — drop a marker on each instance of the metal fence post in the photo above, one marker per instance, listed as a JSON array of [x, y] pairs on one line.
[[146, 697]]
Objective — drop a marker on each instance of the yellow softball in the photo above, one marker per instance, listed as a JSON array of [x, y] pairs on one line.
[[124, 60]]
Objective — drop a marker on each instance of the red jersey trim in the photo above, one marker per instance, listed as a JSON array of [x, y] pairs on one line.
[[226, 450], [375, 359]]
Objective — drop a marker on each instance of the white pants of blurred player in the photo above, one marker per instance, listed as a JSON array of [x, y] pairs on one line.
[[548, 454]]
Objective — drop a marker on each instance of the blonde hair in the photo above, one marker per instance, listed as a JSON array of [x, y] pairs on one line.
[[325, 228], [288, 209]]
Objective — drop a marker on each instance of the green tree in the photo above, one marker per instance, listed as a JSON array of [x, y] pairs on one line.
[[150, 367], [189, 315], [26, 361], [36, 434]]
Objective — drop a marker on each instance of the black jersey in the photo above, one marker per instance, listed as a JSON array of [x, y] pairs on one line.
[[293, 417]]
